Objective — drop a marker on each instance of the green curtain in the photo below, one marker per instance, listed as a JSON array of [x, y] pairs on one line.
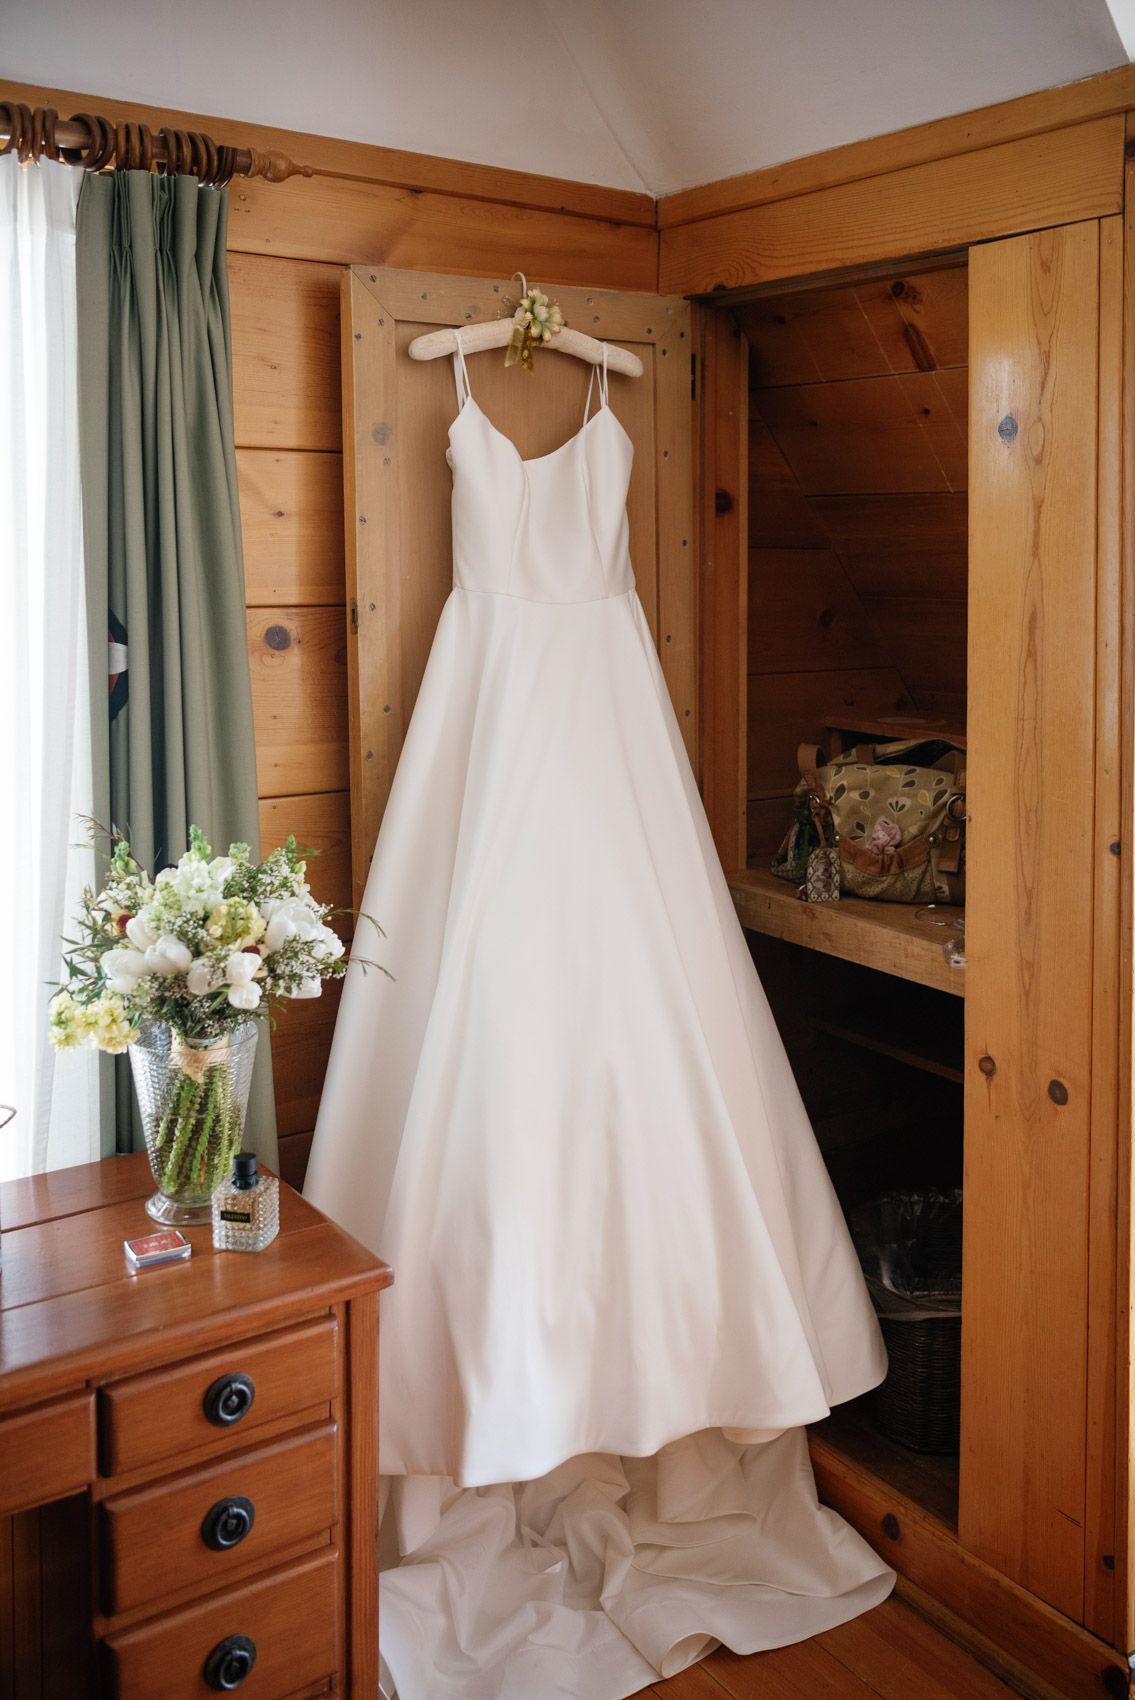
[[165, 573]]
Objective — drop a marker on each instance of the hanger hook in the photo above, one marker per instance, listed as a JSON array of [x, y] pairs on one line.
[[523, 283]]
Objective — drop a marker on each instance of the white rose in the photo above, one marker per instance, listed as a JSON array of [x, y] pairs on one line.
[[124, 967], [288, 918], [168, 956], [139, 934], [240, 968], [328, 946], [244, 997], [203, 977], [311, 988]]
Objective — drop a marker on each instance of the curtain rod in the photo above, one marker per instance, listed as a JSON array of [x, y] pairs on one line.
[[95, 144]]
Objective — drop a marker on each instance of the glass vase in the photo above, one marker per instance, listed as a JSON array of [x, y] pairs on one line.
[[193, 1096]]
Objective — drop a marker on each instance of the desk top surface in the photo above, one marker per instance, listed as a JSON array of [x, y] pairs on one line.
[[72, 1312]]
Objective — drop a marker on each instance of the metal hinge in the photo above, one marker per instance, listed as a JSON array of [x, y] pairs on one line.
[[693, 377]]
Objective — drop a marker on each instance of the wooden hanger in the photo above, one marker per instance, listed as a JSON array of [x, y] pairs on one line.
[[497, 333]]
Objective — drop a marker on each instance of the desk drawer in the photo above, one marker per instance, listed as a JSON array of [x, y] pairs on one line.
[[47, 1452], [148, 1419], [288, 1622], [198, 1528]]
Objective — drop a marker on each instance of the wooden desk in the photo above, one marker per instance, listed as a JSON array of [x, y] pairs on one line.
[[188, 1456]]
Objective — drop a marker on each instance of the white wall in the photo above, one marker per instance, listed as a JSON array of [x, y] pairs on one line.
[[654, 94]]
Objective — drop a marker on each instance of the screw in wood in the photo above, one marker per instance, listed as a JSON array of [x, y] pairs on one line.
[[1007, 429], [987, 1066], [891, 1527]]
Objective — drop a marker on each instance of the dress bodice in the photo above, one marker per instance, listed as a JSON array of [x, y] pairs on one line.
[[551, 529]]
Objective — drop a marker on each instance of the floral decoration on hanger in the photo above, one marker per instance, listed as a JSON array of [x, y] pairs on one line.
[[535, 320]]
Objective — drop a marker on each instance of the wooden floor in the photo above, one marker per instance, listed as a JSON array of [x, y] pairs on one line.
[[889, 1653]]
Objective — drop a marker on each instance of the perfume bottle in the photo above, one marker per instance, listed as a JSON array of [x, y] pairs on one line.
[[246, 1209]]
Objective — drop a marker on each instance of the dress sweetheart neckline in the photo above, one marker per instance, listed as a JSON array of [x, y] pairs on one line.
[[532, 460]]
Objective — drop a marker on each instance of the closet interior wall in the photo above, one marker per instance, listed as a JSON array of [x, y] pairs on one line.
[[857, 601], [289, 244]]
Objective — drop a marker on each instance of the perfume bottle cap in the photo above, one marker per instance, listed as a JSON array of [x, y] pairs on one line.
[[244, 1171]]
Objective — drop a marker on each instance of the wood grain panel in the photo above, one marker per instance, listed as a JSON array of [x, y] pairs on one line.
[[903, 323], [892, 525], [298, 662], [362, 1496], [295, 1149], [1035, 327], [336, 218], [786, 709], [1125, 1166], [291, 513], [46, 1453], [725, 529], [1107, 1520], [301, 1044], [924, 638], [285, 337], [805, 615], [926, 573], [1058, 177], [780, 516], [863, 435]]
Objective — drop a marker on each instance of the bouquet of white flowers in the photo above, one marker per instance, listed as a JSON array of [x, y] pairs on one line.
[[195, 954]]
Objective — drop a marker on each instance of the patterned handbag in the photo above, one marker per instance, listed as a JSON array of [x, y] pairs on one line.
[[899, 826]]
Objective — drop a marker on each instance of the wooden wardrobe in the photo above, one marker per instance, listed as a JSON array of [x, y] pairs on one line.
[[916, 437]]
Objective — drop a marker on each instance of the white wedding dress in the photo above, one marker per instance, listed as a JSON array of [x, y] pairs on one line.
[[622, 1279]]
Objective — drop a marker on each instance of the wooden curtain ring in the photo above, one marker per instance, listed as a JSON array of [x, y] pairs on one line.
[[226, 166], [211, 160], [49, 144], [43, 132], [199, 155], [134, 147], [20, 127], [99, 151], [10, 118], [177, 151]]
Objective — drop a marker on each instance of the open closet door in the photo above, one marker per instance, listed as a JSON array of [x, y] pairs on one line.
[[1044, 1004], [398, 486]]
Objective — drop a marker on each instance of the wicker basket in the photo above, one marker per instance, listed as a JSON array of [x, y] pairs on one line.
[[910, 1246], [919, 1402]]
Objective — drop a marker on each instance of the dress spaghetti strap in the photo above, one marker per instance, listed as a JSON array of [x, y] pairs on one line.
[[602, 386], [460, 371]]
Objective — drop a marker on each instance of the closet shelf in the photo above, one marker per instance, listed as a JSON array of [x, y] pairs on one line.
[[893, 937], [913, 1050]]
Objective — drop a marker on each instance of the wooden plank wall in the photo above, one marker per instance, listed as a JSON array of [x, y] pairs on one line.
[[857, 516], [288, 244]]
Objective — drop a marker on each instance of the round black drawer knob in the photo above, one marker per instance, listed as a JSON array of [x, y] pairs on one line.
[[229, 1663], [228, 1522], [229, 1399]]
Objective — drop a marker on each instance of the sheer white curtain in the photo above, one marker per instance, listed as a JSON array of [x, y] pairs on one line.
[[45, 741]]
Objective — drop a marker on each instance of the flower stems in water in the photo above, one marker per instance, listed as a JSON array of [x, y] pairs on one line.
[[198, 1133]]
